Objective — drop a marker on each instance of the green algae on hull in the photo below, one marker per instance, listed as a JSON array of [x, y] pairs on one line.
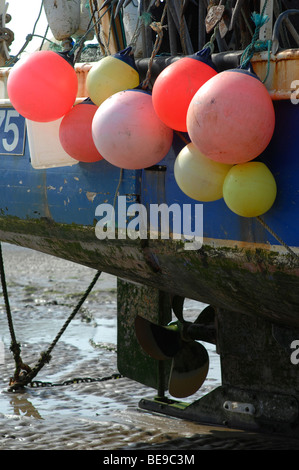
[[257, 281]]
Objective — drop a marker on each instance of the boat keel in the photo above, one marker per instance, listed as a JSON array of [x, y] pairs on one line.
[[259, 367]]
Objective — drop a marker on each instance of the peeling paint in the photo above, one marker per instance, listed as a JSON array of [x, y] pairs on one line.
[[90, 195]]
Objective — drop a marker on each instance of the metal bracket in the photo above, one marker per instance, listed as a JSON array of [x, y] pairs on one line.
[[245, 409], [237, 407]]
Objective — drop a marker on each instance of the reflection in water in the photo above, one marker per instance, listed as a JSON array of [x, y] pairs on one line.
[[21, 406]]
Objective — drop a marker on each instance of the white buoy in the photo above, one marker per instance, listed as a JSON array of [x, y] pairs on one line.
[[63, 17], [265, 33], [130, 21], [85, 23]]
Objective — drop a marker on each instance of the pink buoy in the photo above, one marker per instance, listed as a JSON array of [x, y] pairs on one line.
[[75, 133], [231, 118], [176, 85], [42, 86], [127, 131]]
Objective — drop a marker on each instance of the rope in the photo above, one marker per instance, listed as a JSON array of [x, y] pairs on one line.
[[29, 37], [18, 381], [15, 346], [143, 20], [158, 28], [266, 226], [117, 188], [46, 355], [256, 45], [211, 42], [77, 45], [182, 29]]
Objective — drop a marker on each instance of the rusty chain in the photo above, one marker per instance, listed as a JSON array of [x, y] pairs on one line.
[[76, 380]]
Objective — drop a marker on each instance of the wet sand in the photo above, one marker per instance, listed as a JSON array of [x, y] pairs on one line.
[[101, 415]]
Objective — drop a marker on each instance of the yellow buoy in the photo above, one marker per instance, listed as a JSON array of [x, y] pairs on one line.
[[199, 177], [110, 75], [249, 189]]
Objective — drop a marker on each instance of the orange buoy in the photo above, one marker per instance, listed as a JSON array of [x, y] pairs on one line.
[[231, 118], [42, 86], [176, 85], [128, 133], [75, 132]]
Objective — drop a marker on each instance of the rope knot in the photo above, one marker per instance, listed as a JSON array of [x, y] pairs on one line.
[[45, 357], [256, 45], [157, 27]]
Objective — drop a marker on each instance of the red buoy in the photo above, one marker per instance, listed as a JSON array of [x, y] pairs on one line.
[[75, 132], [42, 86], [176, 85], [127, 131], [231, 118]]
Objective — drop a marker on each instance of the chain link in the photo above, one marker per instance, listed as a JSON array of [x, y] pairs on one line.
[[76, 380]]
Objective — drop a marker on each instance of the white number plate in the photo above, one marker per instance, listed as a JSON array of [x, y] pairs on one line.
[[12, 132]]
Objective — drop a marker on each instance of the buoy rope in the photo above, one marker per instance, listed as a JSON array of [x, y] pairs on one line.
[[256, 45], [266, 226], [210, 43], [183, 28], [20, 380], [89, 29], [158, 28], [117, 188]]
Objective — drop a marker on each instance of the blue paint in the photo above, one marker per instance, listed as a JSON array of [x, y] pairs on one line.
[[12, 131], [282, 158], [70, 195]]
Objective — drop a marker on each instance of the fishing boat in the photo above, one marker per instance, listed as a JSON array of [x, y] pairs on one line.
[[244, 268]]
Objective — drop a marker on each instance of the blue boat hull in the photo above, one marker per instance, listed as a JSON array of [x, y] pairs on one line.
[[241, 265]]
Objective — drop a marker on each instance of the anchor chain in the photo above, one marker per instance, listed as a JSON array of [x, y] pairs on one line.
[[24, 374], [76, 380]]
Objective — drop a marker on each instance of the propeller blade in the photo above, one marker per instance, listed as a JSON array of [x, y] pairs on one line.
[[207, 316], [159, 342], [177, 307], [189, 370]]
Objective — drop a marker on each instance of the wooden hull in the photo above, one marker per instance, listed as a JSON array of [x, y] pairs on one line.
[[240, 266], [246, 267]]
